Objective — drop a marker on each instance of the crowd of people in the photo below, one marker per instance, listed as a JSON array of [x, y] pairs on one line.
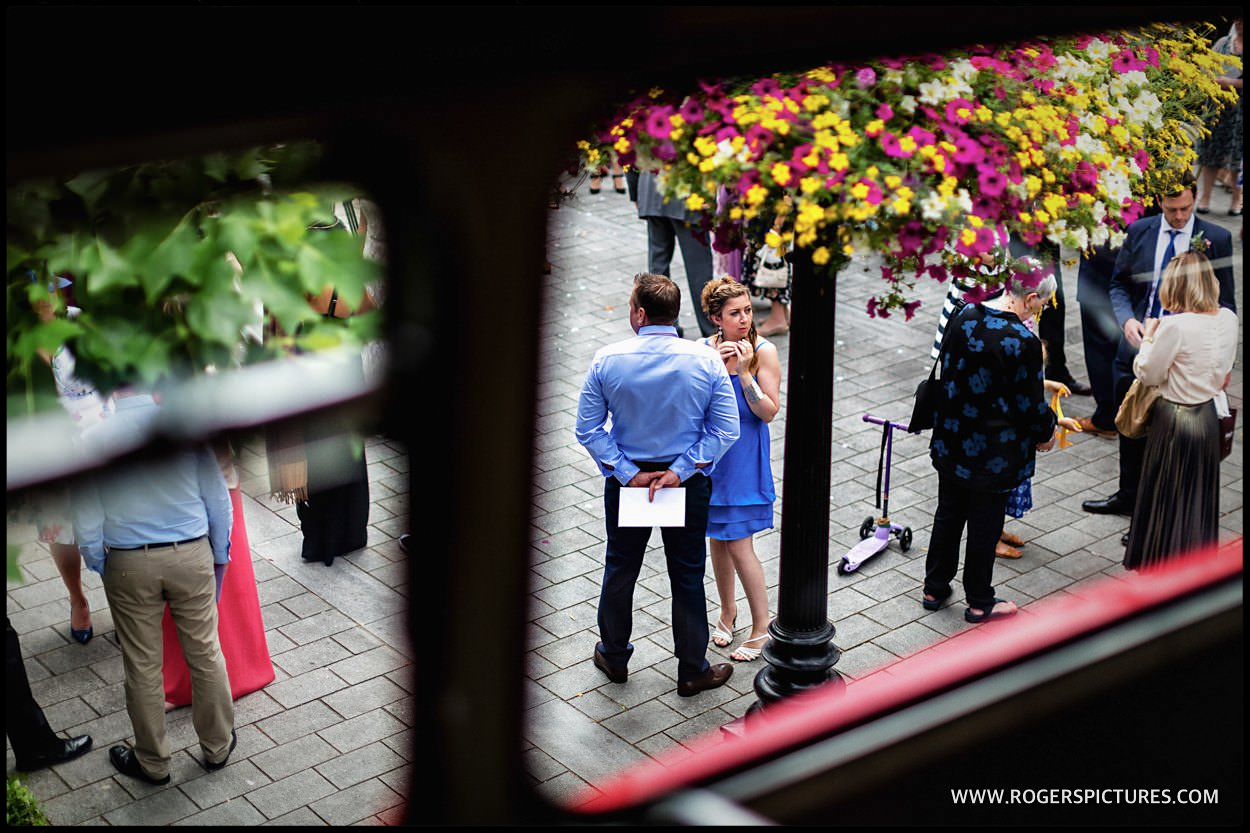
[[653, 413]]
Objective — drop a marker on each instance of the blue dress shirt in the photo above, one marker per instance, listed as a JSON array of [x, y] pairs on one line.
[[669, 399], [176, 498]]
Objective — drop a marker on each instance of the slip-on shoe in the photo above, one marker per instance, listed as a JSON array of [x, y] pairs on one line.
[[61, 751], [123, 758], [714, 677], [1114, 505], [616, 675], [234, 741]]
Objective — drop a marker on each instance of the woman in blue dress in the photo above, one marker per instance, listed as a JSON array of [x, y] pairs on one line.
[[742, 483]]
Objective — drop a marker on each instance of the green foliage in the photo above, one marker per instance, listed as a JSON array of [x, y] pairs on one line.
[[155, 252], [21, 806]]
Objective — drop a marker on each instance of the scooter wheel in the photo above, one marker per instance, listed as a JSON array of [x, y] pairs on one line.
[[904, 539], [868, 527], [842, 570]]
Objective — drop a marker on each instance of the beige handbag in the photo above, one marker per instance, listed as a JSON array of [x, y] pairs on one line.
[[1133, 418]]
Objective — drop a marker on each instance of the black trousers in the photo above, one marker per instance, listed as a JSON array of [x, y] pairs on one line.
[[24, 723], [982, 513]]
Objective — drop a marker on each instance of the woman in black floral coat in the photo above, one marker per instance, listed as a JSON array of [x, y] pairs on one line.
[[992, 420]]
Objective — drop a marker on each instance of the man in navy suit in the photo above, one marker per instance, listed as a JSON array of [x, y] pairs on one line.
[[1150, 244]]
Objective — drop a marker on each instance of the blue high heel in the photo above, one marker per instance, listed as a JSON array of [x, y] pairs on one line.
[[84, 636]]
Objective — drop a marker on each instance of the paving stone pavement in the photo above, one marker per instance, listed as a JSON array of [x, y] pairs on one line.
[[329, 741]]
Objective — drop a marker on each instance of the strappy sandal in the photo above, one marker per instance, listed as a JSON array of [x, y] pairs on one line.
[[595, 183], [722, 637], [745, 654], [620, 189]]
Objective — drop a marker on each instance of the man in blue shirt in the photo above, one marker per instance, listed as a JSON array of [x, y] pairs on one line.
[[157, 532], [673, 416]]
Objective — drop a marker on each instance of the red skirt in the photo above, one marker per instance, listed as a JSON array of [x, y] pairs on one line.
[[239, 626]]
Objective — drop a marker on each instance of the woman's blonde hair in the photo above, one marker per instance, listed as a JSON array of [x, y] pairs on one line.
[[717, 293], [1189, 284]]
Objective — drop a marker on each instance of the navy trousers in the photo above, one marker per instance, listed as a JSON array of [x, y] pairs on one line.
[[685, 550]]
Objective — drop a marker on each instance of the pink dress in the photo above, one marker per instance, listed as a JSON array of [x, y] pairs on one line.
[[239, 626]]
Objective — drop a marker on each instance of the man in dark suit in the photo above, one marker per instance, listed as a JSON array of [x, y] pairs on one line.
[[1150, 244], [34, 743]]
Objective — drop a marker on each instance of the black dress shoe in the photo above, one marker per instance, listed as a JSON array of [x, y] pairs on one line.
[[714, 677], [123, 758], [616, 675], [61, 751], [1074, 387], [234, 741], [1113, 505]]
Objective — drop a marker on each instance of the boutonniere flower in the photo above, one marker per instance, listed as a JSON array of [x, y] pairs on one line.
[[1200, 244]]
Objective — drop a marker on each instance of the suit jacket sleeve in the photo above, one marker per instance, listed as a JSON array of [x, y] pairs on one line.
[[1121, 289]]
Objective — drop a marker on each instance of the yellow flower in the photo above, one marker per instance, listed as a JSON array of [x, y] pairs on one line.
[[947, 186], [821, 256], [772, 239], [984, 113], [907, 144], [694, 202], [705, 145], [859, 191], [848, 250], [756, 194], [812, 103], [839, 161], [968, 236], [975, 221], [707, 166], [1032, 185], [901, 207], [781, 174], [622, 145], [874, 127]]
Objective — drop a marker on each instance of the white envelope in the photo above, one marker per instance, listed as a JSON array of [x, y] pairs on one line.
[[668, 508]]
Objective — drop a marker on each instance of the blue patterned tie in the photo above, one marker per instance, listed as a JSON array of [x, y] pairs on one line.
[[1168, 254]]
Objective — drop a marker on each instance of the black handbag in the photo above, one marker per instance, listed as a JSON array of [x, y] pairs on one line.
[[1228, 427], [929, 391]]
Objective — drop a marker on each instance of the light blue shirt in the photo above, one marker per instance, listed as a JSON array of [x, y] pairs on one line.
[[174, 498], [668, 398]]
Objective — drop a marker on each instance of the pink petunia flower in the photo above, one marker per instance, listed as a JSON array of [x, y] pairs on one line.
[[959, 110], [909, 309], [691, 111], [991, 180], [658, 125], [885, 112], [967, 151], [865, 77]]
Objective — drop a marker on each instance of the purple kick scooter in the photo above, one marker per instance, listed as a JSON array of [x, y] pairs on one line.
[[876, 532]]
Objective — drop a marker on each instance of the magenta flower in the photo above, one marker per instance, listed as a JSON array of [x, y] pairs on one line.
[[890, 145], [727, 134], [991, 180], [1126, 61], [865, 78], [709, 88], [749, 179], [1085, 176], [938, 272], [691, 111], [967, 151], [872, 307], [1142, 158], [959, 110], [885, 112], [922, 137], [1151, 56], [766, 87], [911, 238], [658, 125], [987, 207], [665, 151], [909, 309]]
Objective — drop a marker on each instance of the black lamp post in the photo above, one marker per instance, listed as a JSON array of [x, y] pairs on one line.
[[801, 654]]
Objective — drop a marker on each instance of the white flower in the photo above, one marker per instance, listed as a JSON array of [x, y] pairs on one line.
[[932, 92], [933, 206], [1116, 239], [964, 200], [1098, 49], [907, 104], [963, 70]]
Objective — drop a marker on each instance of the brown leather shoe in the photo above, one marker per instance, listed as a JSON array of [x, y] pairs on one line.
[[714, 677], [616, 675], [1088, 427]]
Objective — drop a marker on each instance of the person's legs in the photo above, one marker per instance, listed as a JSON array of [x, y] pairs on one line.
[[132, 584], [69, 564], [190, 588], [949, 518], [661, 244], [726, 587], [696, 254], [686, 554], [622, 562], [985, 527], [1131, 450], [1206, 182], [751, 573], [24, 722], [1100, 336]]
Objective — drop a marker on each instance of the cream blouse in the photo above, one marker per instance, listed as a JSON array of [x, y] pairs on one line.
[[1189, 355]]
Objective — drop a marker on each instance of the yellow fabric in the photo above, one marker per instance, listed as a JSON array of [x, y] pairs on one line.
[[1063, 441]]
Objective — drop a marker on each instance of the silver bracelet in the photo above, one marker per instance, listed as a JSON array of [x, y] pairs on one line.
[[754, 394]]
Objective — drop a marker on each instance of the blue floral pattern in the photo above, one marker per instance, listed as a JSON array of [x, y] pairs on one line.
[[995, 412]]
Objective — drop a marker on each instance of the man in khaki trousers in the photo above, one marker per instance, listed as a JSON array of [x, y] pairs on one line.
[[157, 532]]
